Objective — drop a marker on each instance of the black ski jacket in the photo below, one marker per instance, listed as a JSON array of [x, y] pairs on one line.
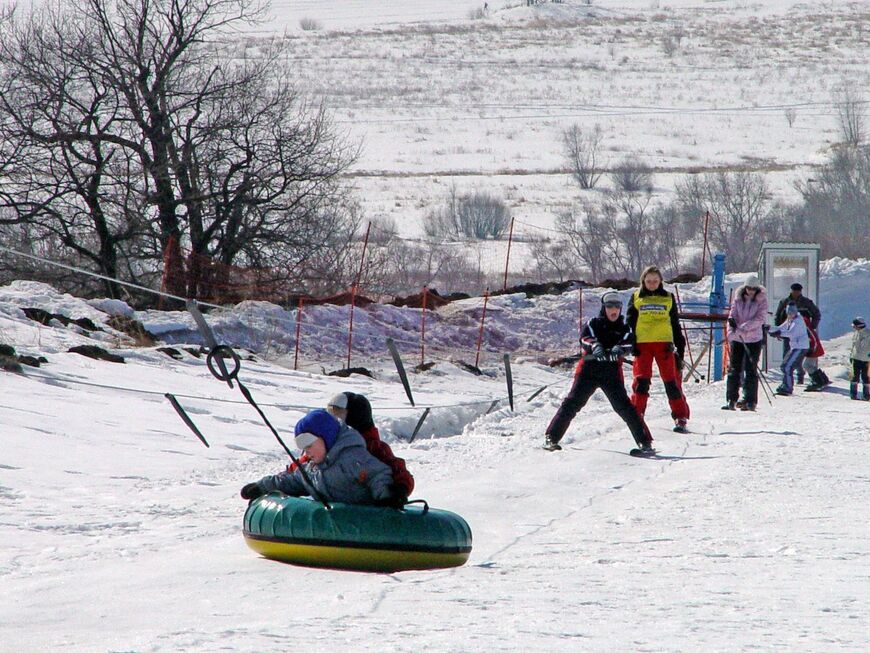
[[609, 334]]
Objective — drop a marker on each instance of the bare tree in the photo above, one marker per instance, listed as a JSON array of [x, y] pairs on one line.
[[590, 237], [483, 216], [476, 215], [667, 240], [851, 108], [582, 151], [211, 146], [67, 190], [632, 176], [741, 212], [553, 259], [631, 221], [836, 205]]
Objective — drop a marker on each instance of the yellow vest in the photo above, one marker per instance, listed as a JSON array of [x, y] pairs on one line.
[[653, 317]]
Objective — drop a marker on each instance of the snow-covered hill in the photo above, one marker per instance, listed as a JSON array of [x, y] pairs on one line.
[[122, 532]]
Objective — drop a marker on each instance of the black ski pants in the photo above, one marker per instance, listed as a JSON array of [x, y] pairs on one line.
[[743, 361], [593, 375]]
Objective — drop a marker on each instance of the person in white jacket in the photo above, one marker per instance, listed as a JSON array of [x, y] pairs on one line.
[[859, 357], [795, 330]]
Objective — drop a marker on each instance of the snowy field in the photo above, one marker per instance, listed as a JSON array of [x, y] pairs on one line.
[[440, 99], [122, 533]]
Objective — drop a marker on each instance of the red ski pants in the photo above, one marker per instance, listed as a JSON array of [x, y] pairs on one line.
[[667, 364]]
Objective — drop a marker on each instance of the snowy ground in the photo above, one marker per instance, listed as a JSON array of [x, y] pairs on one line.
[[121, 532], [438, 99]]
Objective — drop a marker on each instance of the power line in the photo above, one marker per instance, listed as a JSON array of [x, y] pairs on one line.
[[585, 111]]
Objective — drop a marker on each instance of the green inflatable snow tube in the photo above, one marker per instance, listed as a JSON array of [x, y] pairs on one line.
[[366, 538]]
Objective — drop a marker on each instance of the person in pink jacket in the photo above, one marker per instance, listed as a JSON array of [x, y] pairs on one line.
[[745, 336]]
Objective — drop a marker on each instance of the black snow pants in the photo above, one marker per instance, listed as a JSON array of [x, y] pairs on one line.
[[592, 375], [746, 366]]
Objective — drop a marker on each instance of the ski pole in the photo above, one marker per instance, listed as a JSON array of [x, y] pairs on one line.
[[758, 373], [219, 351], [763, 377], [216, 359]]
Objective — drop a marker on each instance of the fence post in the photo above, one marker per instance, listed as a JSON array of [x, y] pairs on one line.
[[350, 324], [480, 334], [363, 255], [298, 333], [507, 258], [704, 249], [423, 327]]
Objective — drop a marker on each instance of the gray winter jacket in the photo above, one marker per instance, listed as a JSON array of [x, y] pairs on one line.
[[349, 474]]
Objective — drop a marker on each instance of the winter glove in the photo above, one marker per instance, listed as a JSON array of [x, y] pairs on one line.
[[618, 351], [251, 491], [732, 322], [396, 499], [670, 348], [598, 351]]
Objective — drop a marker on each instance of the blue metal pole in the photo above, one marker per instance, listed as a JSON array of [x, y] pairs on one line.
[[717, 306]]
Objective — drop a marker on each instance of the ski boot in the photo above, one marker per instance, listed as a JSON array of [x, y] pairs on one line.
[[730, 406], [551, 445], [819, 381], [748, 407], [680, 426], [644, 450]]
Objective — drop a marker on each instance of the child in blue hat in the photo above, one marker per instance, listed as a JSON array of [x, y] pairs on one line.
[[337, 464]]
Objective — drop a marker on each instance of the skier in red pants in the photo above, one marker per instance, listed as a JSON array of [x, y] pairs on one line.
[[652, 315]]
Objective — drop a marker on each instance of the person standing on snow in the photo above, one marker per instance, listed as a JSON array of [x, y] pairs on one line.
[[859, 357], [746, 336], [795, 329], [355, 410], [605, 340], [652, 315], [818, 378], [807, 308], [804, 305]]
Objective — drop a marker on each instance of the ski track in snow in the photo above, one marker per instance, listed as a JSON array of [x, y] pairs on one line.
[[122, 532]]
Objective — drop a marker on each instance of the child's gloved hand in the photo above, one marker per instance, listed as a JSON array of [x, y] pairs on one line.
[[396, 499], [598, 351], [251, 491]]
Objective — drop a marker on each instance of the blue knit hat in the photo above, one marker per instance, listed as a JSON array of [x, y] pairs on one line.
[[318, 423]]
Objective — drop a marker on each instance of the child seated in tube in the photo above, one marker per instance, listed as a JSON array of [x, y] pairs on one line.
[[337, 464]]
